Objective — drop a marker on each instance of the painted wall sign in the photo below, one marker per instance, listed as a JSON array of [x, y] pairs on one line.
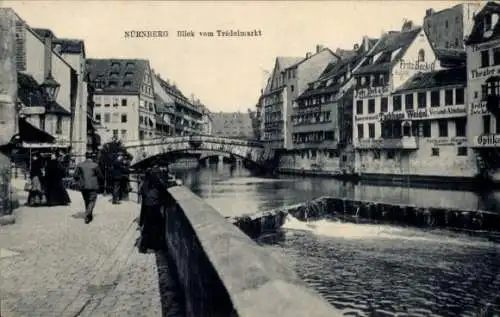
[[486, 45], [416, 65], [458, 141], [32, 110], [490, 140], [371, 92], [420, 114], [484, 72], [478, 108]]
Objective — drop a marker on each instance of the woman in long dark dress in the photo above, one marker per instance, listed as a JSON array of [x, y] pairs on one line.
[[54, 189], [35, 192]]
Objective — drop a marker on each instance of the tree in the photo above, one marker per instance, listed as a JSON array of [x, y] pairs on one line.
[[106, 158]]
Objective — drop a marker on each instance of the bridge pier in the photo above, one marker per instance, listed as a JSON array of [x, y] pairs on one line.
[[220, 162], [207, 162]]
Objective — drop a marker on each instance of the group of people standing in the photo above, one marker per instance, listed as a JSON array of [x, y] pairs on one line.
[[46, 180], [152, 196]]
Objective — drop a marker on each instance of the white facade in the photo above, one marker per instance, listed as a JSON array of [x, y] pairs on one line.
[[119, 114]]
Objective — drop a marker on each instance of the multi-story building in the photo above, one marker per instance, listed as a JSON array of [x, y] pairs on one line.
[[187, 116], [389, 110], [322, 118], [232, 124], [448, 28], [289, 79], [48, 87], [124, 99], [165, 108], [483, 85], [207, 122], [73, 52]]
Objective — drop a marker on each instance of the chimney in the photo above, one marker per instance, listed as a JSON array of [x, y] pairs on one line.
[[429, 12], [47, 66], [319, 48], [366, 43], [308, 54]]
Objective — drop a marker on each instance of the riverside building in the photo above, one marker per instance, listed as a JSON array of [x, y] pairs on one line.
[[124, 100], [322, 119], [290, 77], [483, 84], [409, 112]]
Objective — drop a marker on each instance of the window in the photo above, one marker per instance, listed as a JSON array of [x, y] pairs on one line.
[[384, 104], [106, 117], [98, 117], [292, 88], [409, 102], [406, 129], [460, 126], [124, 118], [487, 22], [435, 102], [456, 42], [371, 106], [422, 99], [106, 105], [476, 94], [443, 128], [485, 58], [459, 96], [124, 102], [359, 106], [59, 122], [487, 124], [421, 56], [97, 105], [115, 133], [435, 151], [391, 154], [426, 129], [396, 103], [446, 24], [371, 130], [124, 134], [376, 154], [361, 131], [448, 97], [462, 151]]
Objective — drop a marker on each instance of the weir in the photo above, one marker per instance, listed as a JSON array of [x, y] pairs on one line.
[[358, 210]]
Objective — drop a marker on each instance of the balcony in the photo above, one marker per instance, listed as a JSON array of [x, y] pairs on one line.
[[325, 144], [493, 105], [404, 143]]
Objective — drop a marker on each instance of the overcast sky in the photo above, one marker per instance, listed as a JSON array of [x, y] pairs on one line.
[[225, 73]]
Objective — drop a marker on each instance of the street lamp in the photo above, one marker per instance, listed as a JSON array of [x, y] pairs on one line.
[[51, 87]]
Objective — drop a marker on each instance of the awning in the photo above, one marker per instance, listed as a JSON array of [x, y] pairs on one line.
[[30, 134]]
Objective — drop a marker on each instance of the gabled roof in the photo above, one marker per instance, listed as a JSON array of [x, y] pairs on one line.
[[389, 43], [286, 62], [477, 34], [120, 76], [435, 79]]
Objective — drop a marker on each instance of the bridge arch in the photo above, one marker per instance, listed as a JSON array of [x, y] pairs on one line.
[[252, 151]]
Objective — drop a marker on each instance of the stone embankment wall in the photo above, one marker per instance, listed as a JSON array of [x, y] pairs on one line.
[[348, 209], [225, 273]]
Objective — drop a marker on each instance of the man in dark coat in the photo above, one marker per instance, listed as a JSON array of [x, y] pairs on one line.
[[117, 174], [87, 177], [154, 195]]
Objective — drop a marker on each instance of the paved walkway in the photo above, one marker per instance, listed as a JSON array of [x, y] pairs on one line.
[[53, 264]]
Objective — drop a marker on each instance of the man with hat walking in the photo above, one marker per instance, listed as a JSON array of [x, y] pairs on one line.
[[87, 177]]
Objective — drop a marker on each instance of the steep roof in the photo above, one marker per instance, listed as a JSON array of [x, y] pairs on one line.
[[477, 34], [451, 57], [160, 93], [435, 79], [43, 33], [389, 43], [119, 76], [286, 62]]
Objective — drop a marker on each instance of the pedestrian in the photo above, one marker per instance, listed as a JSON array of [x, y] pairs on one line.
[[55, 192], [35, 187], [87, 178], [125, 181], [117, 172], [153, 199]]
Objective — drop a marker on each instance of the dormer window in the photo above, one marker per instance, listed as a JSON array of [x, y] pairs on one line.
[[489, 23], [421, 56], [363, 80], [381, 80]]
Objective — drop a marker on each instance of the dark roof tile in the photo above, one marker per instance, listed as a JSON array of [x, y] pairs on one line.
[[119, 76], [435, 79], [477, 34]]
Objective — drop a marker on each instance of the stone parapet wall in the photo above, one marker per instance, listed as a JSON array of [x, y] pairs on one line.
[[225, 273]]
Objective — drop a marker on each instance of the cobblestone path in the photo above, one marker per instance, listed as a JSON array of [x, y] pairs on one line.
[[53, 264]]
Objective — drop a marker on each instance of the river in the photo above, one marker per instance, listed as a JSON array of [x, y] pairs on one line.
[[367, 269]]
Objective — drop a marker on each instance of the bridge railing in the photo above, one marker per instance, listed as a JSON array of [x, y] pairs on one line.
[[194, 137]]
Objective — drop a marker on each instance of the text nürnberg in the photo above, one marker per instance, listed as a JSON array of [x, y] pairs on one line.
[[146, 34]]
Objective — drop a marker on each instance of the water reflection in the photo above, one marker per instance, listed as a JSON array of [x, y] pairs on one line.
[[260, 194], [363, 269]]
